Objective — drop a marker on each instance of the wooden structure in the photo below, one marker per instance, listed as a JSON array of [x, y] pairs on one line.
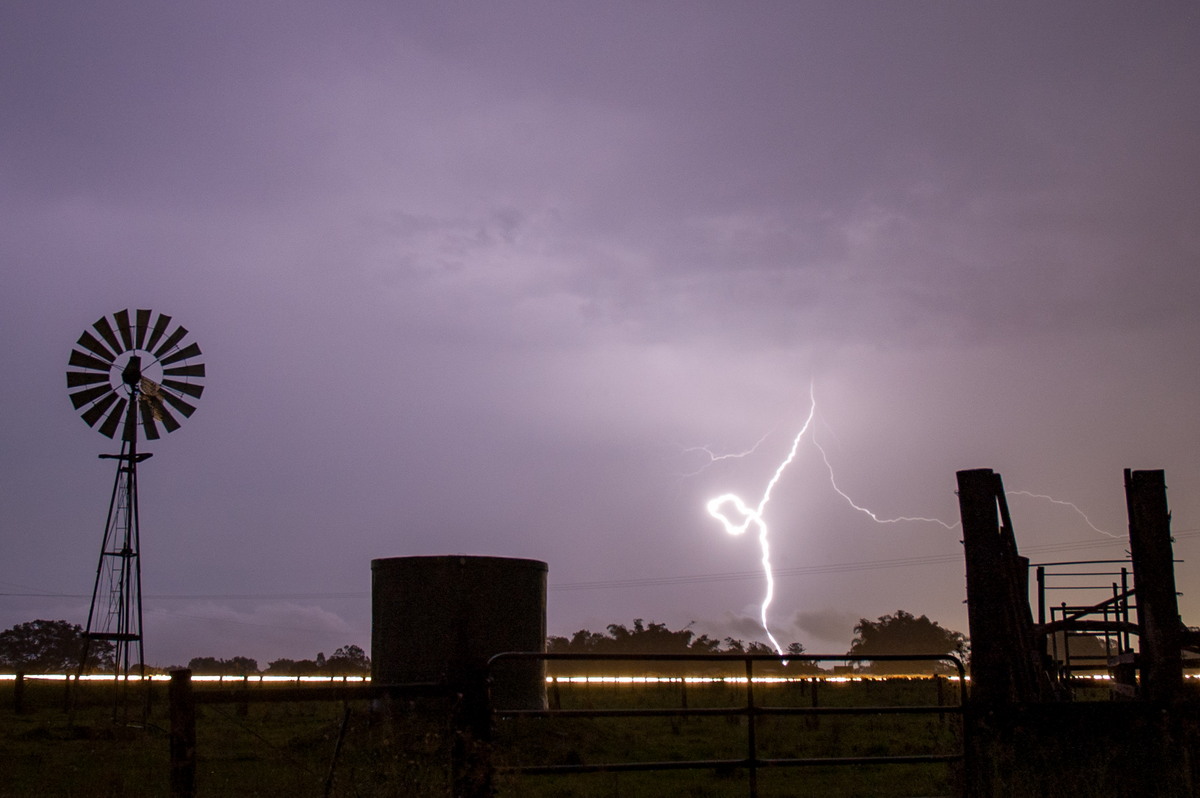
[[1025, 735]]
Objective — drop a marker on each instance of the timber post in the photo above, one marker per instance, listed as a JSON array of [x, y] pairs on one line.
[[182, 734], [1005, 663], [1159, 626], [19, 693], [471, 767]]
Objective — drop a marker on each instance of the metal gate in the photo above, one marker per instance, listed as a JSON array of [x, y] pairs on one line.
[[752, 710]]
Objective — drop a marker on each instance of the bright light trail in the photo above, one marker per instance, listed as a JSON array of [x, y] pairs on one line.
[[755, 516]]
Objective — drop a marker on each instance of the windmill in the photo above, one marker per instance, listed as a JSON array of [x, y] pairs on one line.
[[136, 377]]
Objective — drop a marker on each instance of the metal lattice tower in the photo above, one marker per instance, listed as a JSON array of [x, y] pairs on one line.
[[130, 373]]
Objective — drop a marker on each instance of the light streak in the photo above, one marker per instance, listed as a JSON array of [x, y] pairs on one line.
[[716, 458], [868, 512], [755, 516], [1064, 503]]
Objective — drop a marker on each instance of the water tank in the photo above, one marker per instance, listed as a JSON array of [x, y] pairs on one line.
[[441, 618]]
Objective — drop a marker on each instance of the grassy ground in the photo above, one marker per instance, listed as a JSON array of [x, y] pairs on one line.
[[281, 749], [594, 741], [275, 749]]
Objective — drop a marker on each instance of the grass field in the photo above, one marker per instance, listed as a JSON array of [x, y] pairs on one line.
[[285, 749]]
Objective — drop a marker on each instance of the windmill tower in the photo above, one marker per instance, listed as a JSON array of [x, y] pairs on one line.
[[130, 375]]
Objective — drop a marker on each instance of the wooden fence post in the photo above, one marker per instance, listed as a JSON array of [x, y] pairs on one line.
[[183, 734], [472, 727], [243, 707], [814, 721], [1005, 662], [1154, 580], [19, 693]]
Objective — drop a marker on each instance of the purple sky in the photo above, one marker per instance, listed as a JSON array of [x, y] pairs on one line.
[[478, 277]]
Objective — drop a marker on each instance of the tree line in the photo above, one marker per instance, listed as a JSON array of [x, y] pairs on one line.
[[346, 661], [898, 633], [54, 647]]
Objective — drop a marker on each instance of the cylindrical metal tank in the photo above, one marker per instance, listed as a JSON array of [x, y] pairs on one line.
[[441, 618]]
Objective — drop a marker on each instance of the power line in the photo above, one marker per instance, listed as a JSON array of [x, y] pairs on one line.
[[652, 581]]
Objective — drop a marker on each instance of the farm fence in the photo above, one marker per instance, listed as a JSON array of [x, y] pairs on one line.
[[751, 710], [476, 756]]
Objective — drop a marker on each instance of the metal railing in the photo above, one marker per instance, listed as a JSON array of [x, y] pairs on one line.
[[1107, 619], [751, 710], [183, 700]]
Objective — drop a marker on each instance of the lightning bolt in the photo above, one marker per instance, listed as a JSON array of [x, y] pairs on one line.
[[868, 512], [716, 508], [1064, 503], [716, 458], [754, 516]]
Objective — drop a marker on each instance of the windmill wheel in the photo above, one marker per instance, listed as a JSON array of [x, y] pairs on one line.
[[128, 374]]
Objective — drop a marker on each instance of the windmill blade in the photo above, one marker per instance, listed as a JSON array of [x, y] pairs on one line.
[[109, 427], [129, 433], [83, 361], [90, 343], [124, 328], [90, 395], [122, 402], [93, 413], [148, 424], [172, 339], [160, 327], [191, 350], [78, 378], [179, 404], [143, 324], [190, 388], [106, 332], [168, 420], [194, 370]]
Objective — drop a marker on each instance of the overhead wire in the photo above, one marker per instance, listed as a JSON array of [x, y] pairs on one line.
[[635, 582]]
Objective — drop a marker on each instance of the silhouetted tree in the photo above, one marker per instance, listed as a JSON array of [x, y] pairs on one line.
[[211, 666], [241, 666], [50, 647], [643, 638], [656, 638], [903, 633], [206, 666], [348, 661], [292, 667], [735, 646], [1087, 651]]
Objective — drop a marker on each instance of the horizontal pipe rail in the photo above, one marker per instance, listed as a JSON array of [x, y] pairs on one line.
[[706, 764], [752, 762], [360, 692], [679, 712]]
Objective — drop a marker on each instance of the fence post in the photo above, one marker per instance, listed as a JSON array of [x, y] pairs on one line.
[[814, 720], [183, 734], [19, 693], [1154, 580], [751, 728], [1006, 667], [472, 726], [243, 707]]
